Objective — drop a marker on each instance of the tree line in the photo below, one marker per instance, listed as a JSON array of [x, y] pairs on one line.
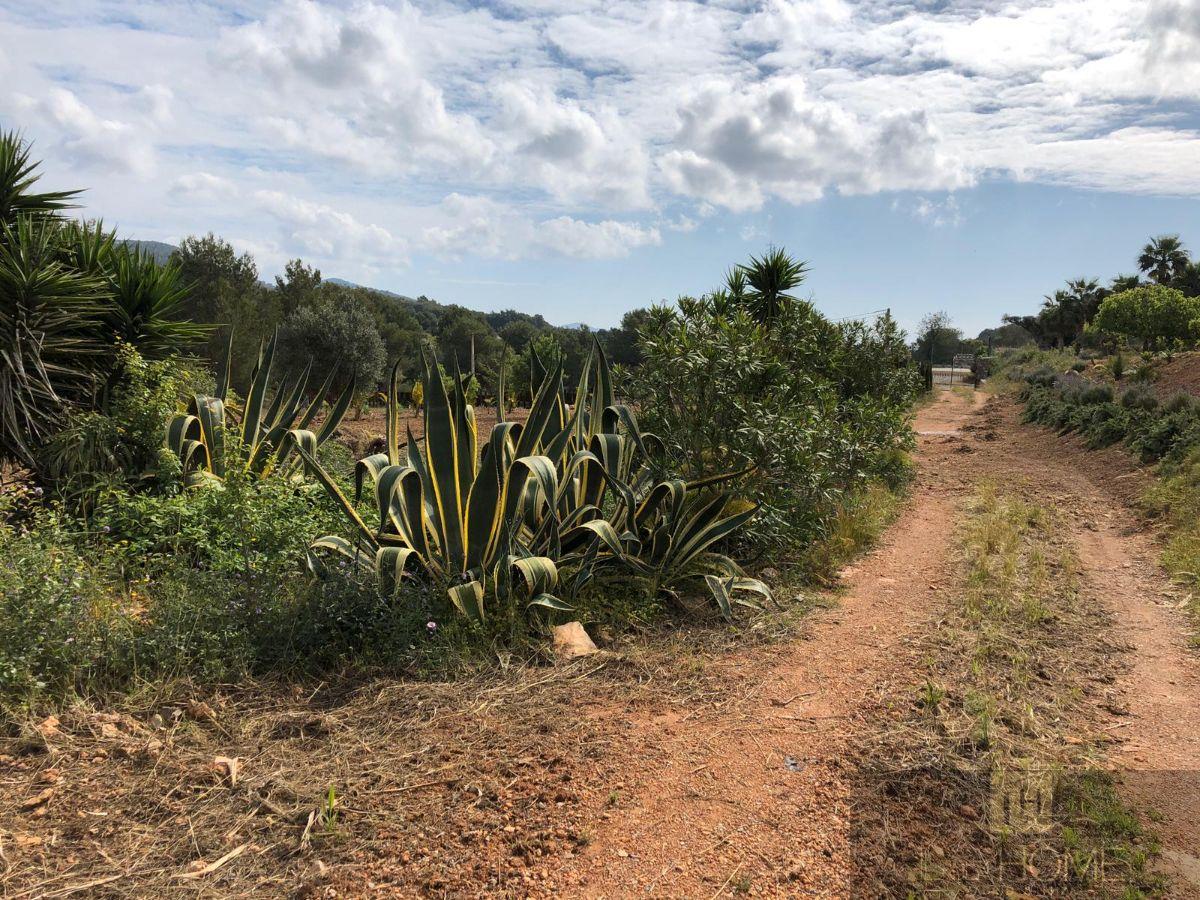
[[1168, 277], [362, 331]]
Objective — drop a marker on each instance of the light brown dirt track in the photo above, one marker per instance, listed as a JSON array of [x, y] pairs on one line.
[[600, 779]]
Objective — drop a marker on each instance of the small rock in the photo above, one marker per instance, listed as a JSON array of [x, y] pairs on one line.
[[571, 641]]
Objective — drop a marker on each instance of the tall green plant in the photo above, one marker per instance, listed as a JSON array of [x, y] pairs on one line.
[[571, 490], [50, 351], [207, 447], [69, 297]]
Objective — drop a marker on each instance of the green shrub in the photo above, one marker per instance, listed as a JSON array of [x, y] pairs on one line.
[[244, 526], [1118, 366], [61, 624], [1152, 314], [1152, 430], [813, 408], [1139, 398], [121, 446]]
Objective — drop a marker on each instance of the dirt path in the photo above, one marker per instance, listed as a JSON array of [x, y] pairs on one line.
[[739, 776], [755, 797], [1153, 710]]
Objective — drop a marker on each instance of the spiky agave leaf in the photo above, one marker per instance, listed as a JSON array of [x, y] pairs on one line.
[[270, 429]]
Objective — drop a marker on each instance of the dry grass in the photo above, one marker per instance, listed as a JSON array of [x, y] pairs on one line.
[[988, 782], [483, 784]]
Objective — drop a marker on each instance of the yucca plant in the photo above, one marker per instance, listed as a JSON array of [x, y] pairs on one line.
[[207, 447], [146, 300], [570, 489], [50, 352]]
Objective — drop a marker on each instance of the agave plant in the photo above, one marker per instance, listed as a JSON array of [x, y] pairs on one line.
[[569, 489], [260, 443]]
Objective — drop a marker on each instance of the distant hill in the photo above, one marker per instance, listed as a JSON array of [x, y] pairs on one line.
[[157, 249]]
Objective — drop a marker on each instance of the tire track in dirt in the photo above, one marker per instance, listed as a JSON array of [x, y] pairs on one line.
[[1160, 758], [1154, 708], [754, 797]]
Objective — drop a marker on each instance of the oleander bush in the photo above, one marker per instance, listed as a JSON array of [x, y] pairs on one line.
[[812, 410]]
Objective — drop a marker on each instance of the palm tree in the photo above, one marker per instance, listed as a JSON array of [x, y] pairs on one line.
[[767, 282], [1124, 283], [1188, 280], [1085, 296], [1163, 258]]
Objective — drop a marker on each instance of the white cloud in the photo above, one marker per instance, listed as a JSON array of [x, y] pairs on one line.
[[539, 127], [945, 213], [321, 232], [484, 227], [202, 187], [573, 153], [89, 140], [351, 86], [739, 144]]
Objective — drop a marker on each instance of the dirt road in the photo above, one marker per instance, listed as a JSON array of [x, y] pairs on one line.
[[754, 797], [733, 768]]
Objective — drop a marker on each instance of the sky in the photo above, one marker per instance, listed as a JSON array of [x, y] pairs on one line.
[[578, 158]]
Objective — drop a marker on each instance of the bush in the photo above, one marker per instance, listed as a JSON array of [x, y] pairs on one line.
[[244, 527], [1155, 315], [815, 410], [1152, 430], [121, 446], [61, 625], [1139, 398]]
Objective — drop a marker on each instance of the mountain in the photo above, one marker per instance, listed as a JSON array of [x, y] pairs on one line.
[[350, 284], [160, 251]]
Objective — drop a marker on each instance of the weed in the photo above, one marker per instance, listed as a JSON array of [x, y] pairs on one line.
[[931, 697]]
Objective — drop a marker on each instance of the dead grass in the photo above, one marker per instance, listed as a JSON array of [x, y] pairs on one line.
[[988, 783], [1175, 499], [484, 784]]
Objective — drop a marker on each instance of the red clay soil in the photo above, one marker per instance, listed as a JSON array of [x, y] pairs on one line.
[[726, 771], [1179, 374], [1154, 708], [755, 794]]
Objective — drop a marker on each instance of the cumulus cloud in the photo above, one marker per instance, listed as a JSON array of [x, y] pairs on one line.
[[89, 140], [485, 227], [353, 86], [322, 232], [589, 129], [202, 187], [739, 144], [573, 153]]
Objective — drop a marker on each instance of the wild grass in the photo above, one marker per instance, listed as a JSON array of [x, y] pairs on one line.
[[1175, 499], [1020, 597], [855, 527], [994, 750]]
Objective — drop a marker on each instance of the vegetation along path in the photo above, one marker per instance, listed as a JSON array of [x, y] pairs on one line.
[[760, 795], [804, 766]]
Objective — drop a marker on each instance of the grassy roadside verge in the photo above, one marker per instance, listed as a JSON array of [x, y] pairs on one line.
[[988, 782], [1175, 499]]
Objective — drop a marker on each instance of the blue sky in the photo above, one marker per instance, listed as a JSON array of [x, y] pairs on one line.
[[578, 158]]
